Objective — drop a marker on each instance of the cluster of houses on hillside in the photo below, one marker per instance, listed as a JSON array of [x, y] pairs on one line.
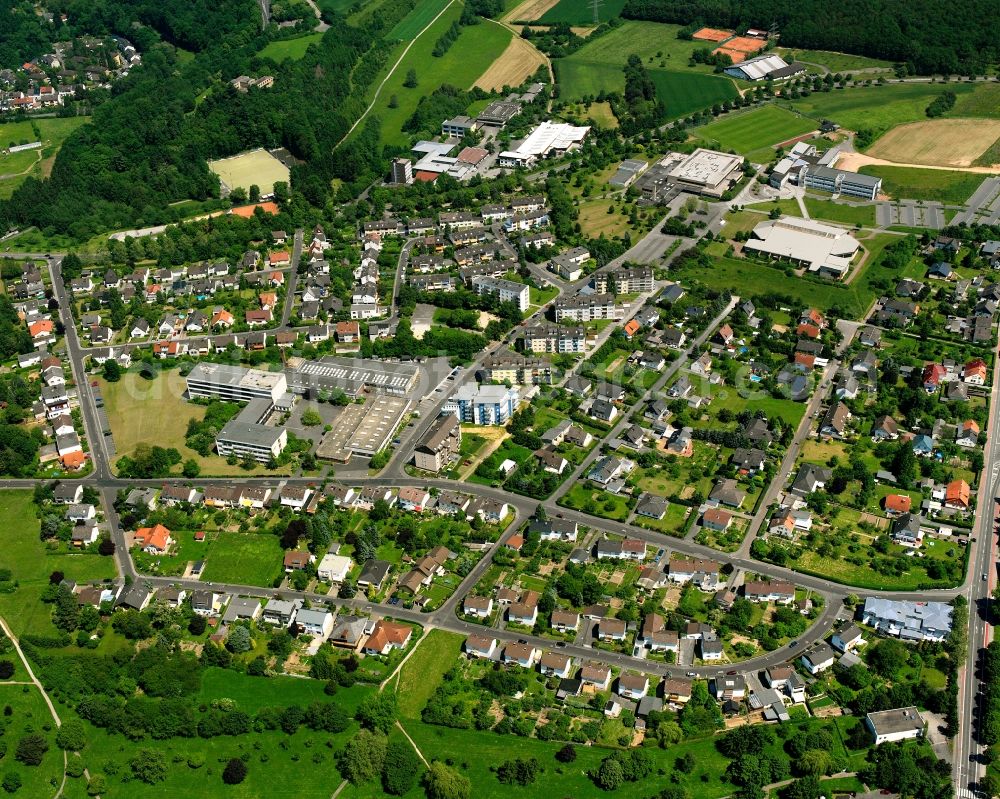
[[73, 67]]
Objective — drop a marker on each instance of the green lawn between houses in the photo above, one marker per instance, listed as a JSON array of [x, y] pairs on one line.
[[422, 673], [32, 562], [248, 558]]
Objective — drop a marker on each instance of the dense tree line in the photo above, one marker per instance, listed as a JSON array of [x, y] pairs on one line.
[[148, 145], [930, 37]]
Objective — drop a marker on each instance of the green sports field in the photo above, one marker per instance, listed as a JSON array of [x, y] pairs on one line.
[[947, 186], [414, 22], [755, 130], [579, 12]]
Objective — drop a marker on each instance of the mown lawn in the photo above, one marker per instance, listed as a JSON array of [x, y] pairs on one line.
[[753, 130], [247, 558], [32, 562], [830, 211]]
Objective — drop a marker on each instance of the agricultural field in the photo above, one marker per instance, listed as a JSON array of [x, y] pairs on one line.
[[31, 562], [575, 12], [290, 48], [913, 183], [410, 26], [937, 142], [527, 11], [597, 67], [476, 48], [252, 167], [682, 92], [150, 412], [755, 130], [14, 168], [514, 66], [879, 108]]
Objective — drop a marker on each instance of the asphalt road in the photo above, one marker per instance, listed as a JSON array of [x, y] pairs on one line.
[[967, 767]]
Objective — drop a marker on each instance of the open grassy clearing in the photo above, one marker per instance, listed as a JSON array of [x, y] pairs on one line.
[[246, 558], [252, 167], [835, 62], [29, 714], [575, 12], [269, 753], [762, 127], [414, 22], [34, 163], [154, 412], [602, 115], [840, 212], [937, 142], [32, 563], [290, 48], [514, 66], [476, 48], [344, 7], [682, 92], [656, 43], [982, 101], [422, 673], [913, 183]]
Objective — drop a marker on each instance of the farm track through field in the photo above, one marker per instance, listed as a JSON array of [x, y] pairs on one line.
[[515, 65], [399, 61], [529, 10]]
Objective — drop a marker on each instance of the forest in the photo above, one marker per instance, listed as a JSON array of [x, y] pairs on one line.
[[929, 36]]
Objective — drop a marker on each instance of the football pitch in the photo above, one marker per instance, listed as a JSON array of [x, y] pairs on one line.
[[254, 167]]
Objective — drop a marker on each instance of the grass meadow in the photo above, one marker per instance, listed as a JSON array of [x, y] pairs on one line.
[[16, 167], [947, 186], [414, 22], [31, 562], [290, 48], [476, 48]]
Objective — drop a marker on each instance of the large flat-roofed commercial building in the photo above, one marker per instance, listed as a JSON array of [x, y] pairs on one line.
[[352, 376], [498, 113], [839, 181], [235, 383], [708, 172], [825, 249], [484, 405], [898, 724], [549, 138], [362, 429], [440, 445], [504, 290], [248, 435], [459, 126]]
